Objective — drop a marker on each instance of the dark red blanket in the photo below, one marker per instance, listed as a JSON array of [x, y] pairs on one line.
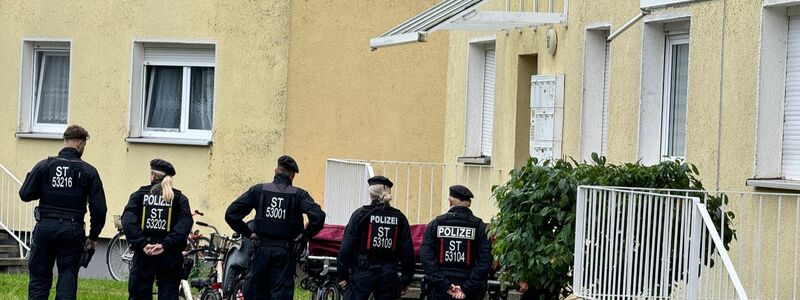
[[329, 240]]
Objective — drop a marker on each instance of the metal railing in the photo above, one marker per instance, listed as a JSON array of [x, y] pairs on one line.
[[639, 244], [16, 217], [765, 250], [420, 189]]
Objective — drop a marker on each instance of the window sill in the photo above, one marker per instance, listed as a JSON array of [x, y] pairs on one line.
[[168, 141], [471, 160], [39, 135], [775, 183]]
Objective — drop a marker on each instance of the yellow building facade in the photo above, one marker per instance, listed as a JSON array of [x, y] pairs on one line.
[[218, 88], [722, 92]]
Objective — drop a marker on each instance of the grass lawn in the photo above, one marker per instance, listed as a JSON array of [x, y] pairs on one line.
[[15, 286]]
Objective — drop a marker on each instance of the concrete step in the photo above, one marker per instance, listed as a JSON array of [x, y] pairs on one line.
[[13, 265], [9, 251]]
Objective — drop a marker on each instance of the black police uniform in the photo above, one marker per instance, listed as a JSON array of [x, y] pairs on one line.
[[376, 237], [63, 184], [149, 219], [279, 207], [456, 250]]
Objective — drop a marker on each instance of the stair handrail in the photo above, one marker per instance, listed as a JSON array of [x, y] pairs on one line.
[[22, 244]]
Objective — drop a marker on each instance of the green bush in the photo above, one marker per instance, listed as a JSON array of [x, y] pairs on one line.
[[535, 226]]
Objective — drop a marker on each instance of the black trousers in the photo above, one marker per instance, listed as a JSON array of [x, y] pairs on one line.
[[379, 279], [271, 274], [55, 241], [166, 269]]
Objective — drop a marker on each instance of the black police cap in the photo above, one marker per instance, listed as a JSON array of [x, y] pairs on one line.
[[380, 180], [461, 192], [288, 163], [162, 166]]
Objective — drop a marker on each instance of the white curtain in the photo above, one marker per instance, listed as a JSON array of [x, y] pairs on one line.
[[201, 105], [54, 89], [164, 97]]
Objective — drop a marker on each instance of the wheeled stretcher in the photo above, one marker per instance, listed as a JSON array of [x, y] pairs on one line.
[[320, 264]]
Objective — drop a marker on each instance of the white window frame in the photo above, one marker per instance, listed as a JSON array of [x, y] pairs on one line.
[[771, 95], [656, 28], [30, 87], [594, 110], [139, 131], [671, 40], [473, 149]]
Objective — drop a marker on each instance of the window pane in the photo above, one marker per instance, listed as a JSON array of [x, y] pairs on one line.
[[678, 95], [201, 101], [53, 89], [164, 97]]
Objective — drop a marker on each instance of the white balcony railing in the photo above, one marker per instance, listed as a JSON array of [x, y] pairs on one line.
[[639, 244], [16, 217], [420, 189]]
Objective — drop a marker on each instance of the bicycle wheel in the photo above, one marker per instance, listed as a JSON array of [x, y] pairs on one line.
[[210, 295], [238, 290], [332, 291], [119, 257]]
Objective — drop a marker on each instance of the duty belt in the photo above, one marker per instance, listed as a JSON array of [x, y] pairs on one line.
[[59, 217], [70, 219], [274, 243]]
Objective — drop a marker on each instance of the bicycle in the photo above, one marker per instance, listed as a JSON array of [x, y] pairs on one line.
[[321, 280], [211, 288], [119, 254]]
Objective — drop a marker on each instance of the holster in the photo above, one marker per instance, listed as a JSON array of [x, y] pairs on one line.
[[253, 251], [86, 256]]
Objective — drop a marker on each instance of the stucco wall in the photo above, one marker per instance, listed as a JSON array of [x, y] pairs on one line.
[[251, 71], [739, 82], [346, 101]]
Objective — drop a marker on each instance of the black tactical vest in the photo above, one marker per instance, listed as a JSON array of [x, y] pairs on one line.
[[379, 232], [456, 242], [158, 215], [277, 214], [65, 186]]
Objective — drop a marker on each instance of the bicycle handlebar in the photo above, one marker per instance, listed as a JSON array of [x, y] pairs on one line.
[[204, 224]]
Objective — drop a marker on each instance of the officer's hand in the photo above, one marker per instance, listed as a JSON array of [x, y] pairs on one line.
[[90, 244], [253, 236], [523, 287], [343, 283], [158, 249], [148, 249]]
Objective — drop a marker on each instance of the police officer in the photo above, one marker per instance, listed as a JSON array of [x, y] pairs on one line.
[[277, 229], [64, 185], [456, 253], [156, 222], [376, 237]]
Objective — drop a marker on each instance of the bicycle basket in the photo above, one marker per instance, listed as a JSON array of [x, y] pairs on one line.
[[221, 242], [118, 222]]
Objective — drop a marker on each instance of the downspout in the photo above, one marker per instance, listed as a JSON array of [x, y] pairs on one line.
[[628, 25]]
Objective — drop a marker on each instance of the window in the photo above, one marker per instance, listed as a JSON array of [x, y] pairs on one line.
[[778, 101], [596, 91], [673, 120], [44, 103], [480, 102], [664, 90], [790, 150], [175, 94]]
